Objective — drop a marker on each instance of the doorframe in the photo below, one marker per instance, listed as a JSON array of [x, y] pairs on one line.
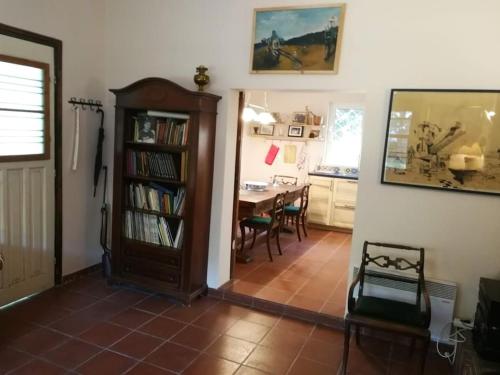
[[56, 45], [237, 167]]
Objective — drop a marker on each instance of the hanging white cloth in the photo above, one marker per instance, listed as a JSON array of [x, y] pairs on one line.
[[76, 139]]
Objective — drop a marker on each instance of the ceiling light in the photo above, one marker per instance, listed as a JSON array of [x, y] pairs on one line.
[[266, 118]]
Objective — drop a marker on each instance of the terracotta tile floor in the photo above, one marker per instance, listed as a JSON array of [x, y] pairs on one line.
[[311, 274], [88, 328]]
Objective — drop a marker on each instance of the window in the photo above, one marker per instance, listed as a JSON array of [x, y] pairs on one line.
[[24, 109], [343, 140]]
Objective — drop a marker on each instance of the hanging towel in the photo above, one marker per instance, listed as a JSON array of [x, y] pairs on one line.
[[76, 139], [271, 154]]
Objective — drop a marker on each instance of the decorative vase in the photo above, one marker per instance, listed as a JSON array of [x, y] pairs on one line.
[[201, 78]]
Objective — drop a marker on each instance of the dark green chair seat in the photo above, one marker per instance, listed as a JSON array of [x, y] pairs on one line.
[[390, 310], [265, 220], [292, 210]]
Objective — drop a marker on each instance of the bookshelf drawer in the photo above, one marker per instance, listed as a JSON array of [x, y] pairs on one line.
[[144, 270], [165, 256]]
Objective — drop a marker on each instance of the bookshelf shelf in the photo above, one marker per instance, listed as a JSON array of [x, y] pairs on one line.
[[152, 212], [164, 152], [154, 179], [156, 147]]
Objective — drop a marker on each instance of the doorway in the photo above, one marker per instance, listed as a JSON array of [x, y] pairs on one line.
[[30, 163], [311, 274]]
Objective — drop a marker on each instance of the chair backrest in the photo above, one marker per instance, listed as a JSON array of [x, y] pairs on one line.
[[284, 180], [278, 211], [304, 198], [397, 262]]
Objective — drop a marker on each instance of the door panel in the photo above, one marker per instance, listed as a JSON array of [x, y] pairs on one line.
[[27, 199], [320, 200]]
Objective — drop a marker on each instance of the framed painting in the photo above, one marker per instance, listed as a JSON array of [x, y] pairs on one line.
[[303, 39], [443, 139]]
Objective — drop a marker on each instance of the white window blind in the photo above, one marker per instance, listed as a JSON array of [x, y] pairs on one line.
[[23, 109]]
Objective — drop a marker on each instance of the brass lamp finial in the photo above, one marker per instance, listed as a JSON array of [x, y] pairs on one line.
[[201, 78]]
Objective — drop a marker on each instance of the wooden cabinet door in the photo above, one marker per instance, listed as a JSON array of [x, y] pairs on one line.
[[320, 200], [344, 203]]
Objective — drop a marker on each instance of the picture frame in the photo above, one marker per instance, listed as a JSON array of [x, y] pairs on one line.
[[443, 139], [297, 39], [295, 131], [145, 129], [299, 118], [266, 129]]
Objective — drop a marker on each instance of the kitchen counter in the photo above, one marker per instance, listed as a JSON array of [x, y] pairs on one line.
[[334, 175]]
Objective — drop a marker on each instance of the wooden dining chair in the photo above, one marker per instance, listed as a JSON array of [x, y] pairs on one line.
[[271, 224], [386, 314], [297, 214]]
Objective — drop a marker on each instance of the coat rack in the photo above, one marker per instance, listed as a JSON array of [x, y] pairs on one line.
[[92, 104]]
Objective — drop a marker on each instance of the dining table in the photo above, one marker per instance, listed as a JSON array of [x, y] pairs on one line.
[[253, 203]]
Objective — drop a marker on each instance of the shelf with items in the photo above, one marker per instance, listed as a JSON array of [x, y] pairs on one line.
[[153, 229], [162, 187], [282, 132]]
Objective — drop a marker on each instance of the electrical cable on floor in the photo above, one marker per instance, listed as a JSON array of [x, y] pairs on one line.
[[455, 338]]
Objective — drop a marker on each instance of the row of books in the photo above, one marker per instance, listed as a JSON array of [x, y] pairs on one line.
[[156, 198], [169, 131], [153, 229], [156, 164]]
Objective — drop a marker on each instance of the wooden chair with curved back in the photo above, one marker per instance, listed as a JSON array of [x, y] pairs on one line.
[[408, 319], [270, 224], [298, 213]]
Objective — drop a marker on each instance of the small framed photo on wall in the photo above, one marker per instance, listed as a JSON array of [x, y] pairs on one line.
[[299, 118], [266, 129], [295, 131]]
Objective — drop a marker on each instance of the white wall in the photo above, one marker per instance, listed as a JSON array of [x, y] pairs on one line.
[[79, 24], [387, 44], [254, 149]]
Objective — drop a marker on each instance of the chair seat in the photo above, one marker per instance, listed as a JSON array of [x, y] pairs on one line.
[[292, 210], [258, 220], [389, 310]]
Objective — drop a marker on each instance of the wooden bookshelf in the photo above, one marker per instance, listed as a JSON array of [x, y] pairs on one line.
[[161, 224]]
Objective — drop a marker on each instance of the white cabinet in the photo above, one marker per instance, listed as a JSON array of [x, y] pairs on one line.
[[344, 203], [332, 201], [320, 206]]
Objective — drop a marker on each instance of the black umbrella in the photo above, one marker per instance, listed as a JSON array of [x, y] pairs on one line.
[[98, 155]]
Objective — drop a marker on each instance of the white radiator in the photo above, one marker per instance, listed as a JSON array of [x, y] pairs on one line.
[[442, 295]]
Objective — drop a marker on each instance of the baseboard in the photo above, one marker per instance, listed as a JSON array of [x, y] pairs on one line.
[[82, 273]]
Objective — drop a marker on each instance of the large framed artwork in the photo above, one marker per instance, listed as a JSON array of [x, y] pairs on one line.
[[444, 139], [297, 39]]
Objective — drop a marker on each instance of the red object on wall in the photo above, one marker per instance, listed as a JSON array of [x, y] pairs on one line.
[[271, 154]]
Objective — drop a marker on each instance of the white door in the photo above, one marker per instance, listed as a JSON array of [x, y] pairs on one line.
[[27, 186], [320, 200]]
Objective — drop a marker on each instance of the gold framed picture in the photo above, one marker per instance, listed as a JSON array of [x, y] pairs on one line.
[[297, 39], [443, 139]]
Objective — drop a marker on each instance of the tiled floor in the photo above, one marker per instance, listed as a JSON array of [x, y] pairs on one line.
[[311, 274], [89, 328]]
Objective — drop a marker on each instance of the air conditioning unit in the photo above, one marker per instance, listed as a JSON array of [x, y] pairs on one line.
[[441, 293]]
